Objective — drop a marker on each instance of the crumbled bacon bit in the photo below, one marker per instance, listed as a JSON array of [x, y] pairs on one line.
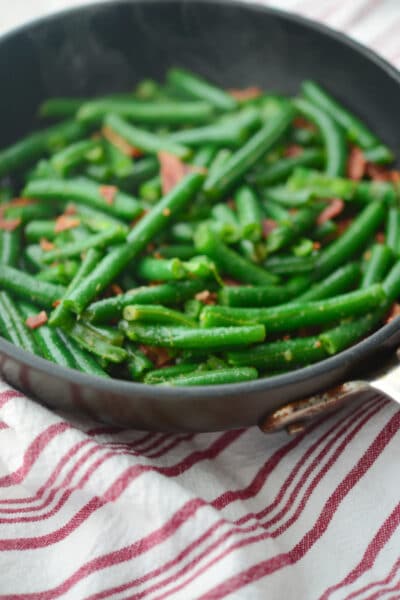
[[380, 237], [46, 245], [286, 337], [395, 175], [64, 222], [120, 143], [116, 289], [378, 173], [172, 170], [268, 225], [302, 123], [316, 245], [356, 164], [56, 303], [334, 208], [36, 321], [150, 247], [159, 356], [393, 313], [108, 192], [231, 282], [70, 210], [293, 150], [9, 224], [206, 297], [246, 93]]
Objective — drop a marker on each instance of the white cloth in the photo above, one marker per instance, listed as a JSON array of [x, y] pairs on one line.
[[87, 511]]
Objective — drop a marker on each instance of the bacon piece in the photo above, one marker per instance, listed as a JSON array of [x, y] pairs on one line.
[[56, 303], [120, 143], [246, 93], [36, 321], [159, 356], [46, 244], [207, 297], [116, 289], [108, 192], [172, 170], [380, 173], [316, 245], [334, 208], [64, 222], [356, 164], [268, 225], [380, 237], [9, 224], [393, 313], [293, 150]]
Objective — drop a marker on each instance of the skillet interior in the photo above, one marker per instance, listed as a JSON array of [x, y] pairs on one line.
[[109, 47]]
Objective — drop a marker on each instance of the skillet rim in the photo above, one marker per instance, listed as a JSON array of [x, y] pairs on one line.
[[354, 354]]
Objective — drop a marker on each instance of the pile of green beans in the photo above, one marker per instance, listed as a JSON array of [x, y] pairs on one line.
[[176, 235]]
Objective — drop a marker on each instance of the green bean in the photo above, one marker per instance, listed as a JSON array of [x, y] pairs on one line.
[[61, 273], [95, 219], [216, 338], [137, 363], [356, 131], [287, 197], [182, 251], [290, 265], [341, 280], [204, 156], [120, 164], [276, 212], [249, 213], [39, 229], [160, 269], [183, 232], [150, 190], [201, 267], [166, 373], [288, 232], [9, 247], [304, 137], [28, 212], [391, 283], [141, 170], [229, 261], [297, 314], [147, 113], [83, 360], [324, 230], [98, 240], [108, 333], [153, 313], [280, 170], [144, 140], [28, 287], [96, 344], [17, 332], [234, 169], [48, 341], [193, 308], [352, 240], [349, 332], [380, 155], [228, 132], [218, 377], [377, 265], [167, 293], [225, 223], [60, 315], [220, 159], [37, 144], [331, 133], [74, 155], [60, 107], [392, 236], [262, 295], [197, 87], [86, 192], [143, 232], [281, 355]]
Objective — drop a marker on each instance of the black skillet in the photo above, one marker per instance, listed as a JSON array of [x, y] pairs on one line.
[[108, 47]]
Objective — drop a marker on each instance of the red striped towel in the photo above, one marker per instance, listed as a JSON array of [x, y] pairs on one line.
[[90, 512]]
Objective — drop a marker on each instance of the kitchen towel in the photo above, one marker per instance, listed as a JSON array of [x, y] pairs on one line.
[[88, 511]]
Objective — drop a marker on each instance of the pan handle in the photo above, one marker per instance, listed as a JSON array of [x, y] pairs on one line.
[[295, 415]]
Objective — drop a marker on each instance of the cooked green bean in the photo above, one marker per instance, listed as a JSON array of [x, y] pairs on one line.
[[249, 213], [153, 313], [215, 338], [290, 265], [197, 87], [287, 197], [392, 238], [229, 261], [268, 295], [182, 251], [96, 344], [166, 373], [341, 280], [150, 190], [249, 153], [279, 170], [83, 360], [28, 287], [380, 155], [137, 363], [17, 332], [142, 139], [349, 332], [377, 265], [218, 377], [160, 269], [9, 247], [287, 233], [84, 191], [98, 240], [60, 107], [74, 155], [61, 273], [297, 314]]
